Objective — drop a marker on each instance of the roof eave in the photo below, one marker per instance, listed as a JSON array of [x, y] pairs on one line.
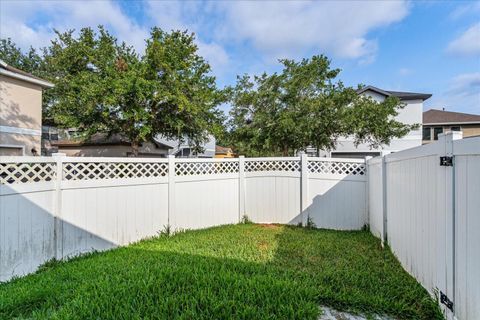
[[423, 97], [42, 83], [374, 89], [450, 123]]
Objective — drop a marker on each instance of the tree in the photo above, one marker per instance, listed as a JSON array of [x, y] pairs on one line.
[[305, 105], [103, 86], [30, 62]]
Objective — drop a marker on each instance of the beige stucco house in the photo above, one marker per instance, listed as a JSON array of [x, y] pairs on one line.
[[100, 145], [441, 121], [20, 111]]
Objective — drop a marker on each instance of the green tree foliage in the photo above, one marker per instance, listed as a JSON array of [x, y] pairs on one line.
[[305, 105], [30, 61], [105, 86]]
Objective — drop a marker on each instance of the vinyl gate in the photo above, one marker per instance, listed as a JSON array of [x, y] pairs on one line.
[[429, 213]]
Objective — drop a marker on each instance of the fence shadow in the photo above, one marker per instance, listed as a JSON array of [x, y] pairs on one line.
[[338, 204], [194, 275], [30, 235]]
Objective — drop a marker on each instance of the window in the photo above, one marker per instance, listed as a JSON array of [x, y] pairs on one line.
[[45, 132], [427, 134], [455, 128], [436, 132]]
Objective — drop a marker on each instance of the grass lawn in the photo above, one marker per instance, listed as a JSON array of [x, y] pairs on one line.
[[239, 271]]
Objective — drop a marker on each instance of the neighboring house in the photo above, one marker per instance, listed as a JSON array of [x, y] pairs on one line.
[[441, 121], [20, 111], [410, 114], [99, 145], [224, 152], [183, 149]]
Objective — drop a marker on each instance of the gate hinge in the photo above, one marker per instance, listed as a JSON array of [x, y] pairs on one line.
[[446, 301], [446, 161]]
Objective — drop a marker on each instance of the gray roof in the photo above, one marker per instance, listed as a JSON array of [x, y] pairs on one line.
[[399, 94], [434, 116]]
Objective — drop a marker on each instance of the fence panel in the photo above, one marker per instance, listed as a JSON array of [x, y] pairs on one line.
[[433, 218], [467, 222], [206, 193], [272, 190], [27, 193], [416, 223], [336, 193]]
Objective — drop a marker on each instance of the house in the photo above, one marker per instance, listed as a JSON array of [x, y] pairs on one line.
[[410, 114], [117, 145], [20, 111], [100, 145], [224, 152], [184, 149], [441, 121]]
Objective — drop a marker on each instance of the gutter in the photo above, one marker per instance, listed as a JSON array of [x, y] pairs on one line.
[[42, 83], [451, 123]]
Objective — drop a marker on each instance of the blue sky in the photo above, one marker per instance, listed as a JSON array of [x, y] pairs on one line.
[[422, 46]]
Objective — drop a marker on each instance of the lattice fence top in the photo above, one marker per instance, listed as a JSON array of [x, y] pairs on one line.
[[23, 172], [205, 168], [113, 170], [337, 167], [272, 165]]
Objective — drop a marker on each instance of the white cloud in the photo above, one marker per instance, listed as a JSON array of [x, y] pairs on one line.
[[465, 10], [277, 29], [405, 71], [214, 54], [291, 28], [33, 24], [467, 84], [285, 28], [463, 94], [468, 43], [174, 15]]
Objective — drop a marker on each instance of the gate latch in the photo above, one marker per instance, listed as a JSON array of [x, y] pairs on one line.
[[446, 161], [446, 301]]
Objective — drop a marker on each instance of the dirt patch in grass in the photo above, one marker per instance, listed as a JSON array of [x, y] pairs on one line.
[[269, 226]]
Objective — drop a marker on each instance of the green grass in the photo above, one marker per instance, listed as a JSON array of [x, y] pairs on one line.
[[241, 271]]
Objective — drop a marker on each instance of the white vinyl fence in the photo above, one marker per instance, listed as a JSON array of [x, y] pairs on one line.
[[425, 203], [63, 206]]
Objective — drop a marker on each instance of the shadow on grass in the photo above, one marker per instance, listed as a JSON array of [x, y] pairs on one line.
[[241, 272]]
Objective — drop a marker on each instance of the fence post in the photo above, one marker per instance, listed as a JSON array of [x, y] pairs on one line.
[[367, 189], [171, 188], [384, 200], [241, 187], [57, 218], [446, 141], [304, 203]]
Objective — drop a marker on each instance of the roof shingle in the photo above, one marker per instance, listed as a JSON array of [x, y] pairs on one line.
[[434, 116]]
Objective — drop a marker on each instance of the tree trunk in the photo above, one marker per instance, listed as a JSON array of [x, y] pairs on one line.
[[285, 150], [135, 146]]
